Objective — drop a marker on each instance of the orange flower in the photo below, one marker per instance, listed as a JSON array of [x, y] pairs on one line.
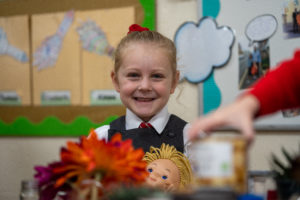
[[116, 161]]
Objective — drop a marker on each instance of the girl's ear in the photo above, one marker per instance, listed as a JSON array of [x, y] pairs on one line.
[[115, 81], [175, 81]]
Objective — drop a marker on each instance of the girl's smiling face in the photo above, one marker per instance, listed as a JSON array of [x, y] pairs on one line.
[[164, 174], [145, 79]]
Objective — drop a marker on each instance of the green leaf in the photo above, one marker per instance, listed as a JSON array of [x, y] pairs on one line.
[[277, 163], [287, 155]]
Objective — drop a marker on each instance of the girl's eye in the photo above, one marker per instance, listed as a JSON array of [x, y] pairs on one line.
[[164, 177], [157, 76], [133, 75], [150, 170]]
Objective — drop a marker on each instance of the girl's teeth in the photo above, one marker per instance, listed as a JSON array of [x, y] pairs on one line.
[[144, 99]]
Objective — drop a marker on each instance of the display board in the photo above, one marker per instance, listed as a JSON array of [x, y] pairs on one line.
[[251, 19], [63, 87]]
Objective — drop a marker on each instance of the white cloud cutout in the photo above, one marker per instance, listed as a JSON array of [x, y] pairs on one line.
[[202, 47]]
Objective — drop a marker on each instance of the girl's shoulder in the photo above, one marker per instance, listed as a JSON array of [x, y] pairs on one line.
[[102, 132], [176, 118]]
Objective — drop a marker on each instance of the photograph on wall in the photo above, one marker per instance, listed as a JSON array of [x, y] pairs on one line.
[[254, 62], [291, 18], [291, 112]]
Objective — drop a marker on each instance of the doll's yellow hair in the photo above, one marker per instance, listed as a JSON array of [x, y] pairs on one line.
[[178, 158]]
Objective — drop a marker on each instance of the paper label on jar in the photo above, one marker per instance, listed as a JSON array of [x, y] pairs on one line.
[[212, 159]]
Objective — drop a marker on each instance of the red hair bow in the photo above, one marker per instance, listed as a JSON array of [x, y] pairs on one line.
[[136, 27]]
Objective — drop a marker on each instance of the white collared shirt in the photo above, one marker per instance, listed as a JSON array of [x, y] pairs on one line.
[[158, 122]]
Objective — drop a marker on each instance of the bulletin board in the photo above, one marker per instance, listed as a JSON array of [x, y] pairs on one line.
[[25, 19], [222, 87]]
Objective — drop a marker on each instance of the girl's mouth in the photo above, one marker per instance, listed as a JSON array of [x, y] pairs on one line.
[[142, 99]]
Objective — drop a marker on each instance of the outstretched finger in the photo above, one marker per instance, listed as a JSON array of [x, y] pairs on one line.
[[204, 126], [248, 131]]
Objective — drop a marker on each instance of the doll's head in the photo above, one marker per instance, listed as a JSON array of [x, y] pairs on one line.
[[168, 168], [145, 72]]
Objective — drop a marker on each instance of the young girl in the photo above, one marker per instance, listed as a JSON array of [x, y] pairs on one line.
[[145, 74]]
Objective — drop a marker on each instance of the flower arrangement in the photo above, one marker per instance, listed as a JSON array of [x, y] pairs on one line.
[[91, 168]]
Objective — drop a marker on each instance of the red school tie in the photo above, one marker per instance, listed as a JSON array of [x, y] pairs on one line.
[[145, 125]]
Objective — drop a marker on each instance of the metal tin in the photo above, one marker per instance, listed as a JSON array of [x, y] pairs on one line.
[[220, 162]]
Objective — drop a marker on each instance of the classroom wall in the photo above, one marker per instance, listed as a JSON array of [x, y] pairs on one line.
[[19, 155]]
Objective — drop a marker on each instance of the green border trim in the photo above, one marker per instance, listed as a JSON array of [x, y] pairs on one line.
[[149, 16], [51, 126], [211, 93], [211, 8]]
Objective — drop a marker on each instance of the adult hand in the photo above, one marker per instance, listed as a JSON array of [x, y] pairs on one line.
[[239, 115]]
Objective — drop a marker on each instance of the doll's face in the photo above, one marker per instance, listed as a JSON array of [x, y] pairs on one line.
[[163, 174]]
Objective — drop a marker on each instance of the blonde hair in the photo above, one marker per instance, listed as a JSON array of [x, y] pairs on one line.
[[151, 37], [178, 158]]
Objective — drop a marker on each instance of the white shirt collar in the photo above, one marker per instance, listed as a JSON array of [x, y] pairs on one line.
[[158, 121]]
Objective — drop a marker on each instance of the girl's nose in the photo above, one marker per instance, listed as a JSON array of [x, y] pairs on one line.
[[145, 84]]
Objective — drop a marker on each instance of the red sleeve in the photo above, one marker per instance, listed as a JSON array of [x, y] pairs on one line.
[[280, 88]]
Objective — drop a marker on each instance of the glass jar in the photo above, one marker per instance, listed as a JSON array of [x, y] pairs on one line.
[[220, 162], [29, 190]]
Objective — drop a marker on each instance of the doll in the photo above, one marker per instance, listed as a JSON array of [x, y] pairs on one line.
[[168, 168]]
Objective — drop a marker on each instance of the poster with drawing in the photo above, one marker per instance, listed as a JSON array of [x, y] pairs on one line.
[[254, 49]]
